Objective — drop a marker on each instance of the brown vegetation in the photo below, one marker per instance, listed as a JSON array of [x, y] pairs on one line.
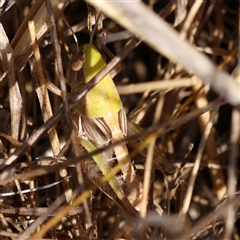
[[182, 87]]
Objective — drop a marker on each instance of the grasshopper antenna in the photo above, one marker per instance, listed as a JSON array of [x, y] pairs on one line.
[[73, 33], [98, 23]]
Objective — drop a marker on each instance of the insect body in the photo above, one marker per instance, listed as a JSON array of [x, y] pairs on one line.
[[103, 121]]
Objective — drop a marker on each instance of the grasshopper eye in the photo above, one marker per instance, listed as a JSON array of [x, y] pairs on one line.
[[77, 61]]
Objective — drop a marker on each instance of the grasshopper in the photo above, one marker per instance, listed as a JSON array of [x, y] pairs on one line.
[[101, 121]]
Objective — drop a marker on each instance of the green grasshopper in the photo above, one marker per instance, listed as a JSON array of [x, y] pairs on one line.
[[101, 121]]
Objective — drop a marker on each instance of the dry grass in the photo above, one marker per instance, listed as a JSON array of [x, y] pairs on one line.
[[161, 90]]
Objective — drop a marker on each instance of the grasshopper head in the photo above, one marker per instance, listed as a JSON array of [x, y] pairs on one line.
[[77, 61], [74, 73]]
